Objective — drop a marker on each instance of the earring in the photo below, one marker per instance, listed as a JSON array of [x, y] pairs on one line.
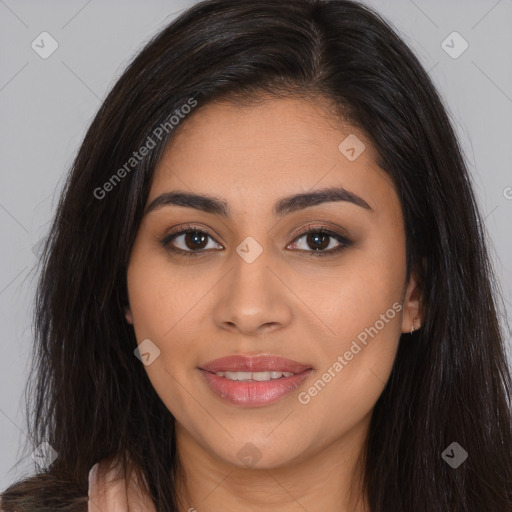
[[412, 326]]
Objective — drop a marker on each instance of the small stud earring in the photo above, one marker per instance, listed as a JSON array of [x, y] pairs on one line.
[[412, 326]]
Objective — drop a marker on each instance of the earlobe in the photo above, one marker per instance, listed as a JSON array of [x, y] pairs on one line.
[[128, 315], [412, 318]]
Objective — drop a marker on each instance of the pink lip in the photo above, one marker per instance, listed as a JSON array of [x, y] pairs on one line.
[[261, 363], [252, 393]]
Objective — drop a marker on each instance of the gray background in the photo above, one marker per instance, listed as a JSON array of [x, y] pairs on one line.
[[47, 104]]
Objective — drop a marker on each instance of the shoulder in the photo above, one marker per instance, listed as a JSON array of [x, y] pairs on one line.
[[111, 487]]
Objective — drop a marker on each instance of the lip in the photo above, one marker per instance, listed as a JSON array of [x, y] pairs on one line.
[[249, 393], [259, 363]]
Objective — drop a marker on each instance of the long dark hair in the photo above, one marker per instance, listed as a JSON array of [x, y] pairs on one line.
[[450, 381]]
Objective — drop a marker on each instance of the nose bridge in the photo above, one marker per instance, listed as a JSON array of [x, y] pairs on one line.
[[252, 295], [251, 265], [251, 279]]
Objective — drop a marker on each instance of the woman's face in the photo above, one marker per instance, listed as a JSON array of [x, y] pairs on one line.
[[253, 283]]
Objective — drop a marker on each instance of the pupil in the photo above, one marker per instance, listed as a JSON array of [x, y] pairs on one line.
[[195, 237], [314, 238]]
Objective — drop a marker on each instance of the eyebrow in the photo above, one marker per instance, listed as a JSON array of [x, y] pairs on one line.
[[284, 206]]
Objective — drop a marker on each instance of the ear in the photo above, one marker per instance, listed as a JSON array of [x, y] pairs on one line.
[[412, 314], [128, 315]]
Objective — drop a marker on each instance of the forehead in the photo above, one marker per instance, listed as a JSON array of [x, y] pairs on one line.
[[252, 153]]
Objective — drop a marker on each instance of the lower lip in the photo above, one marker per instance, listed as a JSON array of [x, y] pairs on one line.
[[252, 394]]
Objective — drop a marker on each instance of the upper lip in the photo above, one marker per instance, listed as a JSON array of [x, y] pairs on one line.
[[259, 363]]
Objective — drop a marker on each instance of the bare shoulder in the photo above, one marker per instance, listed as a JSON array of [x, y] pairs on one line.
[[112, 486]]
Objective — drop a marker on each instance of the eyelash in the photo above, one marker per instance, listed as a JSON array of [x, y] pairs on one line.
[[344, 242]]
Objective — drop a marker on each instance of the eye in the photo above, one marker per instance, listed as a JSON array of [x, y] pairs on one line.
[[193, 241], [188, 241], [322, 241]]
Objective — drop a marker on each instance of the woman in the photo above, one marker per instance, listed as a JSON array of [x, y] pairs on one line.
[[266, 286]]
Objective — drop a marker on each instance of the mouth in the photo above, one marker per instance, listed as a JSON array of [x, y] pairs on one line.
[[250, 381], [254, 376]]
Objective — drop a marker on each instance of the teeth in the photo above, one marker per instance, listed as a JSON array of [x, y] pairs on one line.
[[254, 376]]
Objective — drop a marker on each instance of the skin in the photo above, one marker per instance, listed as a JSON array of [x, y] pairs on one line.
[[286, 303]]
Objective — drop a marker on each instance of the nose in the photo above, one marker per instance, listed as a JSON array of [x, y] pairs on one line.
[[252, 299]]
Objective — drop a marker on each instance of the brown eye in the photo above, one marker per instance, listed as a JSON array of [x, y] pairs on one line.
[[195, 240], [188, 242], [320, 242]]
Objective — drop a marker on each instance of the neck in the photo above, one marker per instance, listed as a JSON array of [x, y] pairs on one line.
[[326, 479]]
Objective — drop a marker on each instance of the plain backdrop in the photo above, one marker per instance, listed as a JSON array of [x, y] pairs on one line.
[[47, 104]]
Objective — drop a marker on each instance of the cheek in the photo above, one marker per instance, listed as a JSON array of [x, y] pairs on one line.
[[159, 294], [358, 292], [355, 366], [362, 307], [163, 303]]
